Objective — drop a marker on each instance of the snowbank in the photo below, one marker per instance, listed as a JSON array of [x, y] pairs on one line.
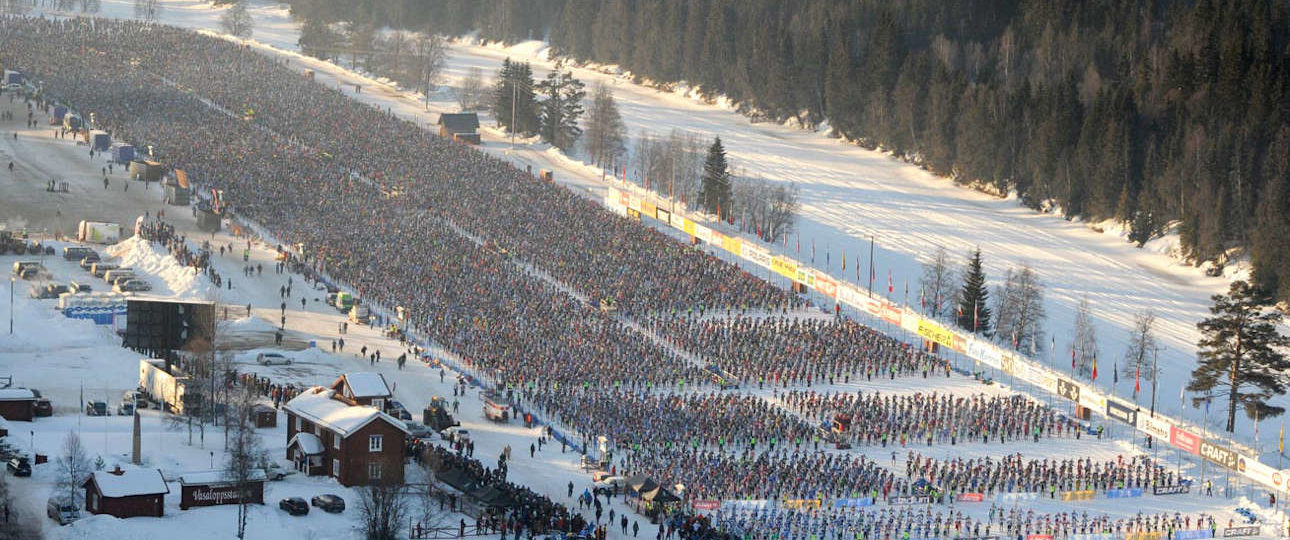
[[149, 258]]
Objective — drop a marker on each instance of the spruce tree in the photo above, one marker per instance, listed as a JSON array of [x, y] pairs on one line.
[[974, 297], [715, 195], [561, 109], [1238, 356]]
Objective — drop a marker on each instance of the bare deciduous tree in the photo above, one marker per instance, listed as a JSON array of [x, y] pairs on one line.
[[472, 91], [1138, 358], [236, 21], [937, 283], [73, 466], [1020, 309], [147, 10], [1085, 344], [243, 449], [382, 510]]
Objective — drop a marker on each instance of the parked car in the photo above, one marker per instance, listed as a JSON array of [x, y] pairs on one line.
[[272, 358], [79, 286], [44, 407], [135, 396], [96, 408], [125, 409], [100, 269], [132, 285], [28, 269], [455, 433], [397, 410], [73, 253], [62, 510], [42, 291], [295, 506], [19, 466], [87, 263], [111, 275], [274, 471], [419, 430], [609, 485], [329, 503]]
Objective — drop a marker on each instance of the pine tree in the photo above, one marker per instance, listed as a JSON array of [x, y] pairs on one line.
[[1238, 354], [561, 109], [974, 297], [715, 194]]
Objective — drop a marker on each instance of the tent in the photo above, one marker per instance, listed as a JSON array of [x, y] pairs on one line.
[[493, 496], [660, 495], [641, 483]]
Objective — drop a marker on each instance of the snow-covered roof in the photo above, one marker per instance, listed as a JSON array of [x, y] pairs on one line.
[[219, 476], [366, 385], [317, 405], [130, 483], [16, 394], [309, 443]]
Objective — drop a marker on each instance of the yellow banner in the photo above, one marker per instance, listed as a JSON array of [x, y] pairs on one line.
[[733, 245], [1081, 495], [648, 209], [784, 266], [935, 333], [688, 227], [1153, 535]]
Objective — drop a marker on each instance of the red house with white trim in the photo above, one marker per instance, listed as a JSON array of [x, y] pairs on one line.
[[332, 434]]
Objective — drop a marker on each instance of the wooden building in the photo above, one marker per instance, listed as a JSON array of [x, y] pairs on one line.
[[17, 404], [264, 416], [330, 434], [459, 127], [363, 389], [128, 493]]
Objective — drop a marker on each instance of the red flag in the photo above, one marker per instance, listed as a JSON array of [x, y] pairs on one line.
[[1094, 367], [891, 288], [1072, 358], [1137, 381], [799, 243], [922, 297]]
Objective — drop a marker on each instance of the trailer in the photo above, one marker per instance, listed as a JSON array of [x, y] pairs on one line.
[[123, 154], [177, 189], [160, 386], [12, 77], [100, 140], [98, 232], [146, 170], [60, 112], [73, 122]]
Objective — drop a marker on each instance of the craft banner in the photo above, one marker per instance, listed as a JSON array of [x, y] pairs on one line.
[[784, 266]]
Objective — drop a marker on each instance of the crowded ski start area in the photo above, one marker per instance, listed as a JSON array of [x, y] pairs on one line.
[[661, 387]]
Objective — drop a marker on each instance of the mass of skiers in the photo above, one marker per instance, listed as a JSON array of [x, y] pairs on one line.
[[1048, 477], [408, 219], [933, 418]]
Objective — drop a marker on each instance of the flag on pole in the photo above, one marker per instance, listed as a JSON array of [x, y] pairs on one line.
[[1281, 439], [1115, 372], [922, 297], [812, 251], [1094, 367], [891, 287], [799, 243], [1072, 357], [844, 260], [1137, 381]]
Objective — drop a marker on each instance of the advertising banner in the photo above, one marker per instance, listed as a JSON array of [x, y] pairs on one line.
[[892, 314], [1092, 401], [970, 497], [1171, 490], [706, 504], [799, 503], [853, 503], [1233, 532], [784, 266], [688, 226], [851, 295], [1193, 534], [1014, 497], [664, 216], [1080, 495], [1122, 412], [755, 254], [1218, 454], [703, 233], [982, 351], [936, 333], [825, 284], [909, 499], [1184, 439], [1257, 471], [1040, 378], [1039, 537], [1068, 390], [1123, 493], [634, 202], [748, 504], [805, 276], [732, 244], [1156, 427], [1145, 535]]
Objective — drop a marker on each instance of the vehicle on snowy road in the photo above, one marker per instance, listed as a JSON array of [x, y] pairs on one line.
[[272, 358], [295, 506], [330, 503]]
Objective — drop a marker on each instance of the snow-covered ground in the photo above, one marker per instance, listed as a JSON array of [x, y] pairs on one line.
[[848, 195], [65, 357]]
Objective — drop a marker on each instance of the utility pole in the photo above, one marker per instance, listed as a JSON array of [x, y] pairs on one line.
[[1155, 353]]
